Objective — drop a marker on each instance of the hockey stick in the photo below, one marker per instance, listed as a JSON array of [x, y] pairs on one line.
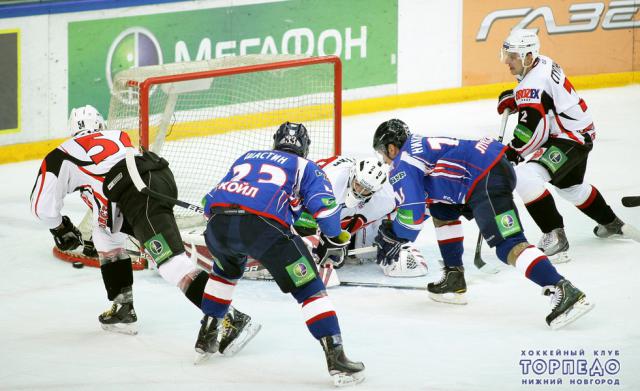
[[631, 201], [477, 258], [142, 187], [381, 285]]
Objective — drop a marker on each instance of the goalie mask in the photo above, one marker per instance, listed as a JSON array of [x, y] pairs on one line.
[[366, 177], [293, 138], [85, 118]]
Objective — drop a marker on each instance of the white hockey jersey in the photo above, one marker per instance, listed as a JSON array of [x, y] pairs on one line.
[[549, 107], [377, 207], [80, 164]]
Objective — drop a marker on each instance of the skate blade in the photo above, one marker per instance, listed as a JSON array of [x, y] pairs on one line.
[[201, 357], [561, 257], [579, 309], [343, 379], [247, 334], [489, 269], [121, 328], [449, 298], [630, 232]]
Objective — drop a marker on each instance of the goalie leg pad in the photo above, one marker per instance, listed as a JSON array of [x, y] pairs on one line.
[[411, 263]]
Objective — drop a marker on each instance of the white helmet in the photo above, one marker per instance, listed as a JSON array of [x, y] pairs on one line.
[[522, 42], [366, 177], [85, 118]]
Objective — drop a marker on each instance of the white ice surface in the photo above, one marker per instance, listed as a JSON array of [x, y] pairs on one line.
[[50, 338]]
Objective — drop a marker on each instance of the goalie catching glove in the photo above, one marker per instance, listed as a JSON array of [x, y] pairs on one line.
[[333, 249], [388, 244], [66, 235]]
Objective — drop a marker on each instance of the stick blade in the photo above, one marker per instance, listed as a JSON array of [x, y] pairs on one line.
[[631, 201]]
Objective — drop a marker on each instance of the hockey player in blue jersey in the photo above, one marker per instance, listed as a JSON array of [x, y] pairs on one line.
[[250, 215], [470, 178]]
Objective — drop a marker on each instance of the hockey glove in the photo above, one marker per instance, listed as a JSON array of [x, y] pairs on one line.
[[66, 235], [506, 100], [513, 156], [333, 249], [388, 244]]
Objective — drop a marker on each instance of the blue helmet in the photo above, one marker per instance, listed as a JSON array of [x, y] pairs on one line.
[[292, 137]]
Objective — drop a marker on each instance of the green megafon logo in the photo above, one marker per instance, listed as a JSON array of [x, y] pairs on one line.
[[132, 48]]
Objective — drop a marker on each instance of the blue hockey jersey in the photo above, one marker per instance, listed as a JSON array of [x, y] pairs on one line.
[[268, 183], [437, 169]]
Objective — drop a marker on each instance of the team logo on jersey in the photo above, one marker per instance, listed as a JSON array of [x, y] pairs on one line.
[[158, 248], [301, 271], [508, 223], [527, 95], [394, 179], [134, 47], [320, 173]]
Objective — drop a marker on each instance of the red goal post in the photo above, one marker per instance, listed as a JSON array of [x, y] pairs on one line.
[[202, 115]]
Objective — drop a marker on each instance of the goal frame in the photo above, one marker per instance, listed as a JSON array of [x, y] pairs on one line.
[[145, 86]]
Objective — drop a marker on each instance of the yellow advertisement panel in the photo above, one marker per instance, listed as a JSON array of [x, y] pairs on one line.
[[584, 37]]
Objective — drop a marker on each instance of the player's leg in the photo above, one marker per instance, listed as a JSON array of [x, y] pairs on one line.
[[451, 287], [224, 241], [117, 275], [153, 224], [499, 222], [540, 204], [589, 200], [291, 265]]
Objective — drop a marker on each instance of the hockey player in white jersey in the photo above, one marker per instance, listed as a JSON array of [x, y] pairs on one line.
[[92, 162], [362, 188], [556, 132]]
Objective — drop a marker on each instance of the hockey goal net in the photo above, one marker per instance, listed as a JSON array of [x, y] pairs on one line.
[[203, 115]]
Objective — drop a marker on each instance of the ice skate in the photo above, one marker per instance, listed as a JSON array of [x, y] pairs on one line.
[[555, 245], [617, 229], [568, 304], [207, 342], [344, 371], [120, 318], [237, 331], [450, 288]]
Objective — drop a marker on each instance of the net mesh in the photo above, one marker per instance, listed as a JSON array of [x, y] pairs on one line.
[[203, 123]]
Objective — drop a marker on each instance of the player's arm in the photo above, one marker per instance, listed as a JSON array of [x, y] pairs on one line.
[[406, 180], [319, 200], [50, 189], [532, 130], [47, 198]]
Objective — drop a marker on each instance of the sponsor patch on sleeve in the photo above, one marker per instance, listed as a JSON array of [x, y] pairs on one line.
[[405, 216]]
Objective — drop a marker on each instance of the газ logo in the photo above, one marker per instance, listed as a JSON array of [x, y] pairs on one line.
[[619, 16], [134, 47]]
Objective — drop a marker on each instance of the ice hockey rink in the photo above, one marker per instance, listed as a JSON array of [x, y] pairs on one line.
[[50, 338]]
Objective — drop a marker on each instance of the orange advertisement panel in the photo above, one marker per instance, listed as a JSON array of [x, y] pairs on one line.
[[584, 37]]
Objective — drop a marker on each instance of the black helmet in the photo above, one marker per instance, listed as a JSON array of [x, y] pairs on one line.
[[393, 131], [292, 137]]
